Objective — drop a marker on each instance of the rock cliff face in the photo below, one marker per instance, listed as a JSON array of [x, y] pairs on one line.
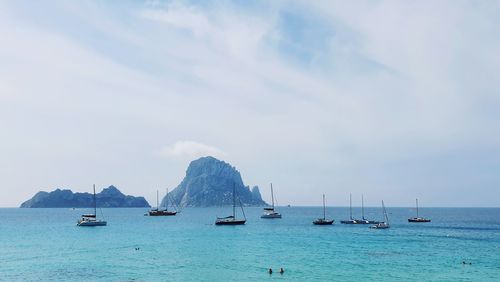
[[110, 197], [209, 182]]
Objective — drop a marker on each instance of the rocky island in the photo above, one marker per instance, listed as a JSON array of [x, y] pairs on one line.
[[110, 197], [209, 182]]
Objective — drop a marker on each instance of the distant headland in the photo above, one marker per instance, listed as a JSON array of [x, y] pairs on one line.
[[110, 197]]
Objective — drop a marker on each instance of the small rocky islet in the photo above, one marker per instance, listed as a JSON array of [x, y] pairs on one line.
[[109, 197]]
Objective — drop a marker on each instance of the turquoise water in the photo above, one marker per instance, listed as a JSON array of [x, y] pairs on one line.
[[45, 244]]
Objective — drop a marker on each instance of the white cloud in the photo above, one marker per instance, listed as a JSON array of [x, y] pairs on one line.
[[191, 150], [181, 16]]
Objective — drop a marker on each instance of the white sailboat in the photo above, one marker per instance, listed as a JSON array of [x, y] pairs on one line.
[[91, 219], [270, 212], [384, 224]]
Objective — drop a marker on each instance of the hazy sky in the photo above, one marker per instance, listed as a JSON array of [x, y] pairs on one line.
[[393, 99]]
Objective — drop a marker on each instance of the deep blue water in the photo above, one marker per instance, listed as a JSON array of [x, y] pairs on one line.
[[45, 244]]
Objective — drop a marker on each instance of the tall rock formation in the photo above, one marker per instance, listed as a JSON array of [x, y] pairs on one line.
[[209, 182]]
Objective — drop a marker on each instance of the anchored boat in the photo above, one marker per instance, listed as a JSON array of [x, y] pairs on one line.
[[384, 224], [351, 220], [323, 221], [270, 212], [91, 219], [363, 219], [231, 220], [157, 211], [418, 218]]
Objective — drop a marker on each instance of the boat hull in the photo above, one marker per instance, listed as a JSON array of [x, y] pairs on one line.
[[162, 213], [381, 225], [92, 223], [359, 221], [274, 215], [371, 222], [230, 222], [321, 221], [416, 219], [367, 222], [348, 221]]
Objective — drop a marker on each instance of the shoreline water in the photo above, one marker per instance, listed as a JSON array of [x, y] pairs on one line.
[[45, 244]]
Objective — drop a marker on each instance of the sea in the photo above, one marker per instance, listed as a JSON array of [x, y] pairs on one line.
[[460, 244]]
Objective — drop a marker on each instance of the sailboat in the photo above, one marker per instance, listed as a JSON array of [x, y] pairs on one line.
[[323, 221], [385, 223], [363, 219], [418, 219], [231, 220], [157, 211], [91, 219], [351, 220], [270, 212]]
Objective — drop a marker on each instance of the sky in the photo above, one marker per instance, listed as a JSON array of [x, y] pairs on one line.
[[395, 100]]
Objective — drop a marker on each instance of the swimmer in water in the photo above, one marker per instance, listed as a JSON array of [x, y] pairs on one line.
[[270, 271], [282, 270]]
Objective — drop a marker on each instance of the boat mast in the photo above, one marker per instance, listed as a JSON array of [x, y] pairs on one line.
[[350, 206], [242, 210], [234, 200], [324, 208], [383, 210], [416, 201], [166, 201], [362, 207], [95, 203], [157, 201], [272, 196], [385, 213]]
